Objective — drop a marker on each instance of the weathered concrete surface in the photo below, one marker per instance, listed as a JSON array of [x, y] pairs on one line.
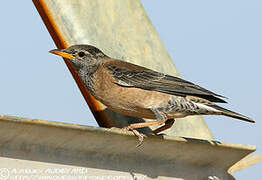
[[38, 148], [122, 30]]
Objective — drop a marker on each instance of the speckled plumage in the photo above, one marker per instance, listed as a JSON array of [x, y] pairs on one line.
[[137, 91]]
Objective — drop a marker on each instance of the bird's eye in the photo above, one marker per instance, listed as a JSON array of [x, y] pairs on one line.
[[81, 54]]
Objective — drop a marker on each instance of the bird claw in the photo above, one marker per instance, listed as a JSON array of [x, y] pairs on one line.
[[140, 139], [137, 134]]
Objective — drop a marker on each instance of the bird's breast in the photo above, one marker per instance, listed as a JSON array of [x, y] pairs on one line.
[[126, 100]]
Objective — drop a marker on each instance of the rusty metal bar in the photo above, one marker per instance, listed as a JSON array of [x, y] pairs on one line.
[[60, 42]]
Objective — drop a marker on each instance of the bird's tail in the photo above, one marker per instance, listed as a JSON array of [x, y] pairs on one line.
[[232, 114]]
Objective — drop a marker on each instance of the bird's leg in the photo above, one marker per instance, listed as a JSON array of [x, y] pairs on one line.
[[132, 127], [137, 134], [168, 124], [161, 119]]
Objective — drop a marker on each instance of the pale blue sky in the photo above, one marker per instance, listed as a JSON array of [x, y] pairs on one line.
[[216, 44]]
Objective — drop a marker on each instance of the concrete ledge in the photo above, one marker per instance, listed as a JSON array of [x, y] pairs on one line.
[[107, 151]]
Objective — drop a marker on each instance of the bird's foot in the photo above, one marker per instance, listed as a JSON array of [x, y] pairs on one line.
[[137, 134]]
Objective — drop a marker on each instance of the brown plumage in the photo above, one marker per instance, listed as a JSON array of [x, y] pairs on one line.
[[140, 92]]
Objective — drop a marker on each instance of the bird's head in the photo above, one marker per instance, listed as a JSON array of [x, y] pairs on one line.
[[80, 55]]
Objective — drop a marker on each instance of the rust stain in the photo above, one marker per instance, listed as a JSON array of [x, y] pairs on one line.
[[53, 29]]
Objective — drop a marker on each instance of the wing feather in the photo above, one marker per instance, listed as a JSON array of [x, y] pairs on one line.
[[131, 75]]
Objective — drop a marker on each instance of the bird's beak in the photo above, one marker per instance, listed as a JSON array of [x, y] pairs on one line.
[[62, 53]]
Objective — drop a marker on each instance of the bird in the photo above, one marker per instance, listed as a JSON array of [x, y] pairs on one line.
[[137, 91]]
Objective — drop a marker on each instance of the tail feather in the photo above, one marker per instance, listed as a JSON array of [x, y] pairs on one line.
[[232, 114]]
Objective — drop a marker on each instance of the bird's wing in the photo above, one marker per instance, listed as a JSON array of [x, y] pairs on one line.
[[131, 75]]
